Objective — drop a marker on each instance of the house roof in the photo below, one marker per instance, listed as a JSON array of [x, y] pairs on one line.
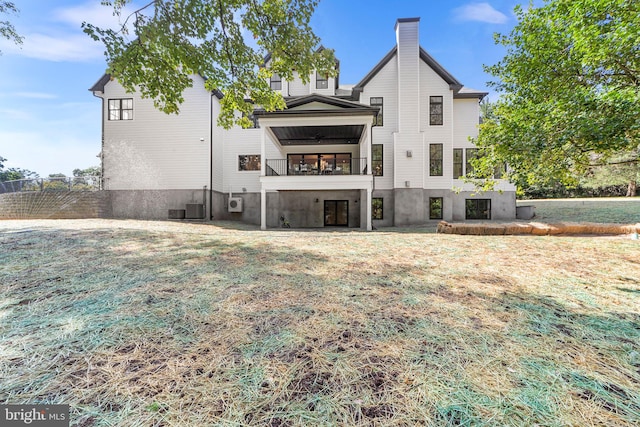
[[345, 107], [454, 84], [468, 93], [106, 78], [100, 84]]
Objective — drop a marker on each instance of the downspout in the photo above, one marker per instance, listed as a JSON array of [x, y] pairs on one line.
[[211, 157]]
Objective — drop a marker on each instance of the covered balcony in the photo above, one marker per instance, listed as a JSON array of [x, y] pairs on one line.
[[318, 143]]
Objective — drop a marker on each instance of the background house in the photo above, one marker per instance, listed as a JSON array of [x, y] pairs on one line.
[[389, 150]]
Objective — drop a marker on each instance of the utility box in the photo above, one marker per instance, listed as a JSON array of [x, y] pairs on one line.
[[176, 214], [194, 211]]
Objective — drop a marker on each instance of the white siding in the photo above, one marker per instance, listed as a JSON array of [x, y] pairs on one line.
[[156, 151], [218, 149], [408, 74], [297, 88], [433, 85], [385, 84], [237, 142]]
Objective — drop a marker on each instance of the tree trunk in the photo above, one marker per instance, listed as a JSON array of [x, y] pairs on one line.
[[632, 188]]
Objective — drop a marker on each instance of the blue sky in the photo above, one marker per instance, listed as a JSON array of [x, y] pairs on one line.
[[50, 122]]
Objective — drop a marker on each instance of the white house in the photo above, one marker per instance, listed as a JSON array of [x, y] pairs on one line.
[[388, 151]]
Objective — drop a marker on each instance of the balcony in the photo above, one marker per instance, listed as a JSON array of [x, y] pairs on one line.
[[316, 167]]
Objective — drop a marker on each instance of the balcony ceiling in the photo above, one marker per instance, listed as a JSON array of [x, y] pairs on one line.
[[318, 135]]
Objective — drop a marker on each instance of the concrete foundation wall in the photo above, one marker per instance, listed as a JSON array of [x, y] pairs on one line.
[[306, 208], [152, 204], [387, 208], [55, 205], [411, 206], [250, 207]]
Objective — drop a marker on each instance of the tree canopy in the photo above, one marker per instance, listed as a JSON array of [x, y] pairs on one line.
[[7, 30], [225, 41], [570, 92], [12, 174]]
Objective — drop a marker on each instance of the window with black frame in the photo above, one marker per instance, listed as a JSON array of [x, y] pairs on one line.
[[478, 209], [249, 162], [377, 101], [377, 208], [435, 159], [436, 110], [322, 81], [377, 159], [276, 82], [457, 163], [435, 207], [121, 109]]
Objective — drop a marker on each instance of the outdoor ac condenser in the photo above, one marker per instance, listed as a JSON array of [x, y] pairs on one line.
[[235, 204], [194, 211]]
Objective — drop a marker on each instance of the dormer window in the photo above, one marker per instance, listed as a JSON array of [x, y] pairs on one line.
[[322, 81], [276, 82]]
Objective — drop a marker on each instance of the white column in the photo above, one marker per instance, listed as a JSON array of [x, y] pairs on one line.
[[263, 209], [263, 151], [368, 201]]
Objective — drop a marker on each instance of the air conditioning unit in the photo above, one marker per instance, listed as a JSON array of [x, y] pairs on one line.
[[194, 211], [235, 204]]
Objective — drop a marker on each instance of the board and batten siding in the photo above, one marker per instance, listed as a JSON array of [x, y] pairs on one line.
[[156, 151], [384, 84]]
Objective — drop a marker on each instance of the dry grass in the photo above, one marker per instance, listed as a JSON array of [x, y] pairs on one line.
[[165, 324]]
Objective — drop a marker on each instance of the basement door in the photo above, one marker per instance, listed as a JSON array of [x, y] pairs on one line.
[[336, 213]]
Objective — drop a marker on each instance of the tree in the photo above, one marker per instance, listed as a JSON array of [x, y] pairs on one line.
[[174, 39], [570, 92], [620, 170], [7, 30], [13, 174], [90, 171]]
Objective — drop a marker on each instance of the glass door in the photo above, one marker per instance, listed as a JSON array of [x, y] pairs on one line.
[[336, 213]]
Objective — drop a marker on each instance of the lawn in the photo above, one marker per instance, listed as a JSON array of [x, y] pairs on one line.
[[140, 323]]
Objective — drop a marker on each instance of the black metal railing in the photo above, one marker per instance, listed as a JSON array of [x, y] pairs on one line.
[[82, 183], [283, 167]]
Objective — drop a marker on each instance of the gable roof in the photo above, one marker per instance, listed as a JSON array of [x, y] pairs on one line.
[[106, 78], [454, 84], [100, 84], [345, 107]]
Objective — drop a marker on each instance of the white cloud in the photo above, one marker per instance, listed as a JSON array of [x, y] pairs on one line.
[[92, 12], [58, 48], [101, 16], [481, 12]]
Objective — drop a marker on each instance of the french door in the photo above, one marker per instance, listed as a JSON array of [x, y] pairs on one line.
[[336, 213]]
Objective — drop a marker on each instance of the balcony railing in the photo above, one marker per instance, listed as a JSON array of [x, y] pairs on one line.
[[283, 167], [82, 183]]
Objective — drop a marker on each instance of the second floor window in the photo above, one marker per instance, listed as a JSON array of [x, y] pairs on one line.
[[276, 82], [435, 110], [121, 109], [435, 159], [377, 102], [322, 81], [471, 153], [249, 162], [457, 163], [376, 159]]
